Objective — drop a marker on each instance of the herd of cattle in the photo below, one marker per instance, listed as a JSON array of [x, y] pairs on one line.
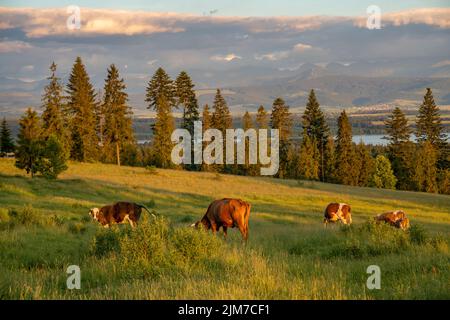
[[233, 213]]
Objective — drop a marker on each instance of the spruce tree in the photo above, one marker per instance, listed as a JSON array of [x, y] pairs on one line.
[[364, 165], [383, 176], [398, 134], [53, 117], [221, 117], [162, 131], [429, 128], [6, 141], [161, 98], [81, 105], [397, 128], [330, 161], [54, 158], [206, 124], [221, 120], [29, 144], [160, 88], [345, 173], [262, 118], [247, 123], [117, 128], [308, 166], [315, 127], [425, 171], [185, 95], [281, 120]]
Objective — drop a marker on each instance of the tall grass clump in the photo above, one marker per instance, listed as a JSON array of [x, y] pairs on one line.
[[27, 216]]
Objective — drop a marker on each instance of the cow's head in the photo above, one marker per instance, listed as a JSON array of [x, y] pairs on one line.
[[403, 223], [94, 212], [201, 224]]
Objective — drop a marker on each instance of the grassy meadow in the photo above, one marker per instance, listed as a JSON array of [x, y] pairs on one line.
[[45, 227]]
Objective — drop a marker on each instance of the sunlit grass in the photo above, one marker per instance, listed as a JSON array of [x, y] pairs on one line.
[[290, 255]]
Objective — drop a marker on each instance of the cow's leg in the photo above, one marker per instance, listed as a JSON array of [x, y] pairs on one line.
[[224, 232], [213, 228], [132, 223], [243, 233]]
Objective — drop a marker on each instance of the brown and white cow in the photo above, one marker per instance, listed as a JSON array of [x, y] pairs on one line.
[[119, 212], [226, 213], [337, 212], [396, 218]]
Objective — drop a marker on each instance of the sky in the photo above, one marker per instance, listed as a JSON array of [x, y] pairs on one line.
[[240, 7], [278, 44]]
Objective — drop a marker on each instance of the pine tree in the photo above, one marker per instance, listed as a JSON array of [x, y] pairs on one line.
[[117, 128], [247, 123], [383, 176], [81, 105], [262, 118], [54, 158], [308, 166], [398, 134], [330, 161], [6, 141], [429, 128], [206, 124], [221, 117], [397, 128], [162, 130], [221, 120], [160, 88], [364, 165], [161, 98], [29, 144], [191, 114], [344, 151], [53, 118], [425, 171], [315, 127], [281, 120], [186, 98]]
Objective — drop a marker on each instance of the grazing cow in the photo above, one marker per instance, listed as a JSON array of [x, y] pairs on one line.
[[337, 212], [397, 219], [119, 212], [226, 213]]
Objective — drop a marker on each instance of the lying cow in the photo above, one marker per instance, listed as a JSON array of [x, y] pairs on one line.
[[397, 219], [337, 212], [226, 213], [119, 212]]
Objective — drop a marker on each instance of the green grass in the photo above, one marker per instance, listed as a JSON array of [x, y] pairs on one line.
[[44, 228]]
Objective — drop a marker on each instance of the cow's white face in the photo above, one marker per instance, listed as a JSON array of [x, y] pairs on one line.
[[94, 213]]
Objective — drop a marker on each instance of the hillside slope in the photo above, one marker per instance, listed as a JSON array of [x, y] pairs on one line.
[[289, 254]]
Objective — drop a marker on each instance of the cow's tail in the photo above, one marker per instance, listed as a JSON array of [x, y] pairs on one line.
[[150, 212]]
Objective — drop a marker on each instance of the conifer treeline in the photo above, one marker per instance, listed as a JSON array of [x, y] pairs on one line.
[[94, 127]]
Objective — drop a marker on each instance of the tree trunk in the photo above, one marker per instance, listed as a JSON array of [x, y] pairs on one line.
[[118, 154]]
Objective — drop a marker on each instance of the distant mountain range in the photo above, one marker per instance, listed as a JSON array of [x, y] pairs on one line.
[[336, 85]]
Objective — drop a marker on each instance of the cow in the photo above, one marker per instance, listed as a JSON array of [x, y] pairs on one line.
[[396, 219], [117, 213], [335, 212], [226, 213]]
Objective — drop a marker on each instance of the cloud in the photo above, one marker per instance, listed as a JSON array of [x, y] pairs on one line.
[[437, 17], [27, 68], [280, 55], [14, 46], [441, 64], [229, 57], [152, 62], [300, 47]]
